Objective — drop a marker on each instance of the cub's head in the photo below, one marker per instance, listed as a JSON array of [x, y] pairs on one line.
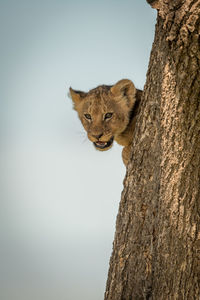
[[105, 111]]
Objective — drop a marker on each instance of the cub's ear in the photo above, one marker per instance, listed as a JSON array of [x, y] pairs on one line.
[[124, 89], [77, 96]]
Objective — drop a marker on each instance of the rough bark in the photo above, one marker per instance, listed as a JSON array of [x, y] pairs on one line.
[[156, 250]]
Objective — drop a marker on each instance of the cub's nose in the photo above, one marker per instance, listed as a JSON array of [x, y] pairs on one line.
[[97, 136]]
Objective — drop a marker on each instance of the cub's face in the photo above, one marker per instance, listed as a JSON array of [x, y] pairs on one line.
[[104, 111]]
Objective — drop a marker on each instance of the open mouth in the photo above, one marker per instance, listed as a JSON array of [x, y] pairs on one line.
[[103, 145]]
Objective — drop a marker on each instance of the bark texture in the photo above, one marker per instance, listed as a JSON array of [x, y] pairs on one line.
[[156, 250]]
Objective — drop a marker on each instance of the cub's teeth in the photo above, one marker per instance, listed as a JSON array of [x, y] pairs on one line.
[[101, 143]]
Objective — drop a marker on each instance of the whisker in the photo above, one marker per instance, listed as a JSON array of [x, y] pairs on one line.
[[80, 133], [83, 135], [85, 140]]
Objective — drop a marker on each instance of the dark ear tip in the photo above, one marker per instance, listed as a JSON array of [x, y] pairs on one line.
[[70, 91], [69, 94]]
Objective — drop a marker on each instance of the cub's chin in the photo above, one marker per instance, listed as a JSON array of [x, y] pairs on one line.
[[103, 146]]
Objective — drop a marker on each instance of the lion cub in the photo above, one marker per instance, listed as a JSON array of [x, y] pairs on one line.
[[108, 113]]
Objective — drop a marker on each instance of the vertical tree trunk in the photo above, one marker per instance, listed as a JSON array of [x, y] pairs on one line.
[[156, 250]]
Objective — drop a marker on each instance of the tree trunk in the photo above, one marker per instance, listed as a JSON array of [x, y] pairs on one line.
[[156, 250]]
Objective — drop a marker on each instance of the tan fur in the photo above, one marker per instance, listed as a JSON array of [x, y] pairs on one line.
[[108, 113]]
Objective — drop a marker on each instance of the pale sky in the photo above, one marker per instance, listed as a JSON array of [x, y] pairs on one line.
[[59, 196]]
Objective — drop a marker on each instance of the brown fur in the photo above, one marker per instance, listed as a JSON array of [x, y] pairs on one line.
[[108, 113]]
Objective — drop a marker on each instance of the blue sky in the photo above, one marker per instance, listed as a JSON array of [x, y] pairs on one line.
[[59, 196]]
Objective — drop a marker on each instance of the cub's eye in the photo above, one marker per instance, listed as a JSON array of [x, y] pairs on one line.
[[88, 116], [108, 116]]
